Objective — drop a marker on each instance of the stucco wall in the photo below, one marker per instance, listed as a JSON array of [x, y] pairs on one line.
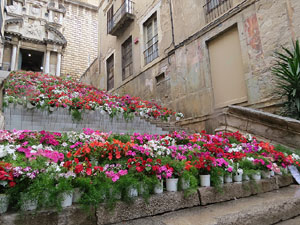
[[263, 26]]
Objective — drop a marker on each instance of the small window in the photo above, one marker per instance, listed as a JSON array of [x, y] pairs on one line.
[[127, 58], [110, 19], [110, 72], [151, 39]]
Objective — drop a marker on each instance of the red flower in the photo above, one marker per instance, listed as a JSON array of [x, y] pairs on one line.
[[78, 168]]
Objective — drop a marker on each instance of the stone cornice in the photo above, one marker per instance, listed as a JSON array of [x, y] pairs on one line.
[[59, 34], [14, 20], [85, 5]]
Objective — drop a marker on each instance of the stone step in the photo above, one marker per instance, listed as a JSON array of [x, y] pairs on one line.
[[262, 209]]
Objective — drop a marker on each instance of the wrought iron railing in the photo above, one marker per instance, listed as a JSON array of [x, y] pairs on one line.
[[151, 51], [126, 7], [215, 8]]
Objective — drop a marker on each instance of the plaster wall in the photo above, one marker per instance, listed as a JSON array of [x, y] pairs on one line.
[[263, 26]]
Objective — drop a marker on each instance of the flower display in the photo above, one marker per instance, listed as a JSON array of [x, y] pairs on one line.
[[95, 161], [48, 92]]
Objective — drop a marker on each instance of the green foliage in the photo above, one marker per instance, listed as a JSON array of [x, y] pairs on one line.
[[123, 138], [76, 115], [287, 72]]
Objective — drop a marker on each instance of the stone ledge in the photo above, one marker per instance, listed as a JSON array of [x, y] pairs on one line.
[[232, 191], [158, 204], [69, 216]]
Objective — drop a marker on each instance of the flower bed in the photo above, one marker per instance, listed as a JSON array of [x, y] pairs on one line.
[[44, 91], [42, 168]]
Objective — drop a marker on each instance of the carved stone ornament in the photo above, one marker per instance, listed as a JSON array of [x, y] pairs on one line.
[[33, 30], [12, 8], [35, 10]]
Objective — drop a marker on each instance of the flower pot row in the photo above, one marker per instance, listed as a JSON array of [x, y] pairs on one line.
[[32, 204]]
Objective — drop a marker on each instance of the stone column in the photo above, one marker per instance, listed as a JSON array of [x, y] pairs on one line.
[[58, 64], [13, 57], [47, 62]]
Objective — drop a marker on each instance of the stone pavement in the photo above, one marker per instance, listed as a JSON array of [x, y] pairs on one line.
[[261, 209]]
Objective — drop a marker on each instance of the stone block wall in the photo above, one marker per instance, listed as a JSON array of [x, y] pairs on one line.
[[265, 126], [81, 32], [20, 118]]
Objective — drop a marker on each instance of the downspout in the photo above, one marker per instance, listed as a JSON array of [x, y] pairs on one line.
[[172, 23]]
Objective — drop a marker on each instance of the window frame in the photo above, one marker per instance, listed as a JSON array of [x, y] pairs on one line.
[[110, 72], [151, 41], [126, 49]]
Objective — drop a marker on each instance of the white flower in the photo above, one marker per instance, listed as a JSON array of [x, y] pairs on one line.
[[295, 157]]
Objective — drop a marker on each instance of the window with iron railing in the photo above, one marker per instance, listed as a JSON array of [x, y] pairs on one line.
[[114, 18], [127, 58], [110, 72], [215, 8], [151, 39]]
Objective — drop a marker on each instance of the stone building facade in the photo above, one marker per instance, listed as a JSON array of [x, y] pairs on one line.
[[58, 37], [195, 57]]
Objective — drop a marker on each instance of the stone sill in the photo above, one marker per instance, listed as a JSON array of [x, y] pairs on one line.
[[157, 204]]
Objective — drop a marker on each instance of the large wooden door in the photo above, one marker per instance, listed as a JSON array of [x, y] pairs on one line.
[[226, 65]]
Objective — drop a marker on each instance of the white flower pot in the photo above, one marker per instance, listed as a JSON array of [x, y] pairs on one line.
[[29, 205], [228, 178], [77, 195], [185, 184], [246, 177], [238, 178], [205, 180], [266, 174], [132, 192], [221, 178], [143, 189], [3, 203], [171, 184], [256, 176], [272, 173], [67, 198], [159, 188]]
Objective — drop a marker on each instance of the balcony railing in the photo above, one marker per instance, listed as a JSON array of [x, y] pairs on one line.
[[121, 18], [215, 8]]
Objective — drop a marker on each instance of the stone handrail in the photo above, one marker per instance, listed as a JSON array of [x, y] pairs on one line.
[[271, 127]]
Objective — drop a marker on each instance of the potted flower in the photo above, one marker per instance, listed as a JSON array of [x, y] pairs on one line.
[[238, 173], [6, 181], [204, 165]]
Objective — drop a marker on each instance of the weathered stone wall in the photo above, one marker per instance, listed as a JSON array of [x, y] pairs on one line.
[[265, 126], [20, 118], [81, 32], [263, 26], [91, 72]]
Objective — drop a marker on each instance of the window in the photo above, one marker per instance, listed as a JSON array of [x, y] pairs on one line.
[[110, 72], [127, 58], [151, 39], [110, 19]]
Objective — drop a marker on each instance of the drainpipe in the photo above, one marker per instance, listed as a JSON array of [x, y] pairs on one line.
[[172, 22]]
